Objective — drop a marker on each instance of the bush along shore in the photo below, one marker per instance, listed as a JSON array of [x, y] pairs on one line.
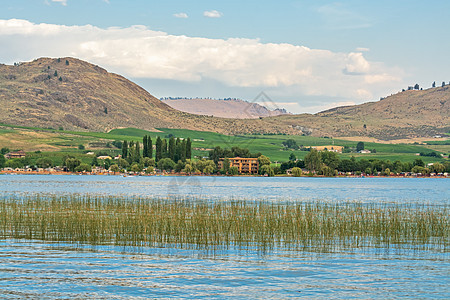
[[221, 225]]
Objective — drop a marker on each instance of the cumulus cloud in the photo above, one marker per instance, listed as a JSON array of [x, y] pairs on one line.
[[139, 52], [181, 15], [212, 14]]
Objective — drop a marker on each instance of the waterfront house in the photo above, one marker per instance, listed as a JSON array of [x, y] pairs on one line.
[[244, 165]]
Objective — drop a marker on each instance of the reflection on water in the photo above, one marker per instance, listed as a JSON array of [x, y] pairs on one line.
[[33, 269], [378, 190]]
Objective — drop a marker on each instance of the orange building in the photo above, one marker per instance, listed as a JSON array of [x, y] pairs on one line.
[[244, 165]]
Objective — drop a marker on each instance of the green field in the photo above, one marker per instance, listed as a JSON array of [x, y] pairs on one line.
[[65, 142]]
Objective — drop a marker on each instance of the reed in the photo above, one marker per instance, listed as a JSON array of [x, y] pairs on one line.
[[218, 225]]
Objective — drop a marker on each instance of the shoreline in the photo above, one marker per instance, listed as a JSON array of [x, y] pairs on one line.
[[211, 175]]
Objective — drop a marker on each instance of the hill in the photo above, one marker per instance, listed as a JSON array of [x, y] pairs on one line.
[[223, 108], [74, 94], [405, 115]]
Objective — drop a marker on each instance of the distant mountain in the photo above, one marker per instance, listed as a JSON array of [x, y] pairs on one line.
[[222, 108]]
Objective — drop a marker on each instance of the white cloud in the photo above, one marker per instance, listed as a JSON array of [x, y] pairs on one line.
[[212, 14], [181, 15], [136, 51], [362, 49], [63, 2]]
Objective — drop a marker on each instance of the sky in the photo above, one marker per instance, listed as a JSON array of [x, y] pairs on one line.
[[306, 56]]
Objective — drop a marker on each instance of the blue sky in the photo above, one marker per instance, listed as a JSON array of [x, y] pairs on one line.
[[306, 55]]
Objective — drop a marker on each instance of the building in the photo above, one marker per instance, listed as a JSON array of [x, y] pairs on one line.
[[365, 151], [244, 165], [331, 148], [17, 154]]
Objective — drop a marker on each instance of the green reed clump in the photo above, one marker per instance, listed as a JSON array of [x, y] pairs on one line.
[[222, 224]]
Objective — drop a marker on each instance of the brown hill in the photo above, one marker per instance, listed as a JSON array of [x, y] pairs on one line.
[[74, 94], [223, 108], [407, 114]]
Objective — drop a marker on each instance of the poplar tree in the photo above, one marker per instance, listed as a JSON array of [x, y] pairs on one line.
[[124, 149], [171, 151], [158, 154], [164, 148], [150, 146], [188, 149], [144, 143]]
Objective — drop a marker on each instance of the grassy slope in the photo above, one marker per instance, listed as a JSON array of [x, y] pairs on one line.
[[64, 142]]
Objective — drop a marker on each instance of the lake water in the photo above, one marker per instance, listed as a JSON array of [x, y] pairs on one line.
[[378, 190], [34, 269]]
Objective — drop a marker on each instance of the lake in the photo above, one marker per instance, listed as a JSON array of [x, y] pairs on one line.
[[36, 269]]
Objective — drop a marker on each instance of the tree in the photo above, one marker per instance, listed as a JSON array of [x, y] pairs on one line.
[[2, 161], [136, 154], [188, 148], [208, 170], [123, 163], [94, 161], [266, 170], [72, 163], [150, 146], [296, 172], [149, 170], [83, 168], [328, 172], [114, 168], [43, 162], [359, 146], [171, 150], [443, 83], [166, 164], [292, 157], [164, 148], [183, 151], [188, 168], [233, 171], [226, 165], [81, 147], [313, 161], [434, 84], [416, 87], [107, 163], [418, 162], [158, 154], [148, 162], [290, 144], [330, 159], [436, 167], [67, 62], [124, 149], [4, 150], [55, 74], [263, 160], [145, 145], [136, 168]]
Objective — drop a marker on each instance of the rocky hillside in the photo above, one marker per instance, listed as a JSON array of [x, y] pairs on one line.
[[222, 108], [408, 114], [74, 94]]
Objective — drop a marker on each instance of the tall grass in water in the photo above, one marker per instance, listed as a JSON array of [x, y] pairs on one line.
[[221, 225]]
